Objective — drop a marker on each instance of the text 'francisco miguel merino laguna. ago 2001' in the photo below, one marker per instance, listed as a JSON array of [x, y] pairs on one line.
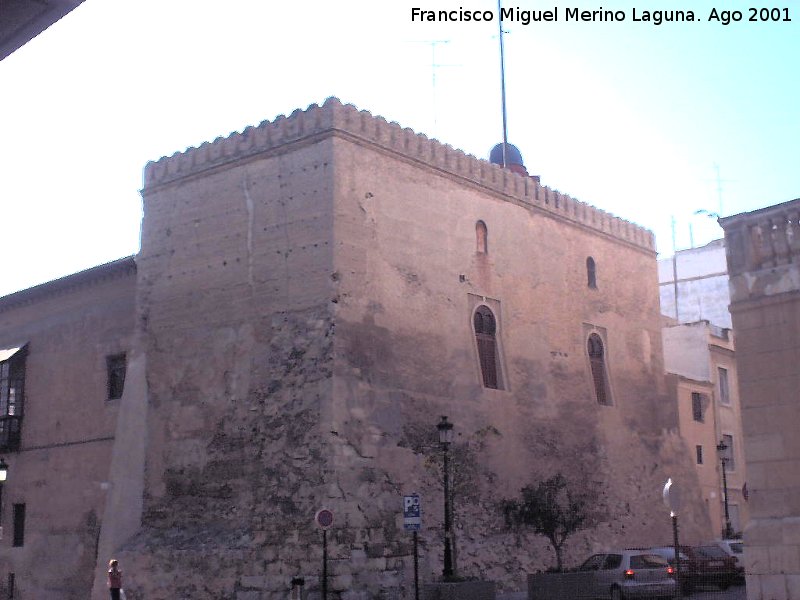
[[555, 14]]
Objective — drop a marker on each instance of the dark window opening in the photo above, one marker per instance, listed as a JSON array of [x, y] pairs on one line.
[[486, 338], [117, 366], [19, 525], [591, 273], [697, 407], [481, 238], [699, 452], [597, 362], [12, 397]]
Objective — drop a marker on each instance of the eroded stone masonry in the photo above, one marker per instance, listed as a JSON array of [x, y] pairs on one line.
[[311, 295]]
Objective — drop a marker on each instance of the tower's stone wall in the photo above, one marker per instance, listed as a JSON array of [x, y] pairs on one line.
[[305, 294], [304, 301]]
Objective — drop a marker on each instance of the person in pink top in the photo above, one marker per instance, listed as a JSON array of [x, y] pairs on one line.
[[114, 579]]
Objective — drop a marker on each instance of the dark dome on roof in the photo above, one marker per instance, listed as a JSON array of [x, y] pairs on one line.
[[513, 156]]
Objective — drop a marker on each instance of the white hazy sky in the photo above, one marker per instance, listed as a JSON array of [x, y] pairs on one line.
[[634, 118]]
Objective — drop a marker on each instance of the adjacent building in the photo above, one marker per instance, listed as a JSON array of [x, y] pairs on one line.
[[693, 285], [311, 296], [763, 256], [701, 360]]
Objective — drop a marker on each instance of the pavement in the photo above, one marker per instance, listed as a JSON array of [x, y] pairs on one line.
[[737, 592]]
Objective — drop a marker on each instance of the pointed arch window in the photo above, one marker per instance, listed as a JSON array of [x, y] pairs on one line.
[[591, 273], [597, 363], [486, 340], [481, 238]]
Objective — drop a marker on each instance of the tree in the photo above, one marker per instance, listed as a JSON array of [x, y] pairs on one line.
[[552, 509]]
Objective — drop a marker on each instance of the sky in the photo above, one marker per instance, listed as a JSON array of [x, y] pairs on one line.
[[649, 122]]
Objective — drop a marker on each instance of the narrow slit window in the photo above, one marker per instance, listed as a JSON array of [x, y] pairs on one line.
[[481, 238], [591, 273], [597, 362], [117, 367], [699, 453], [486, 340], [19, 525]]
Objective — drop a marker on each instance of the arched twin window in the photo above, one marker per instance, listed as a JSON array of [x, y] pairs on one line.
[[597, 363], [486, 339]]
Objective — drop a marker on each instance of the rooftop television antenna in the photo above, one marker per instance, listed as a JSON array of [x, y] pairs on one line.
[[434, 66]]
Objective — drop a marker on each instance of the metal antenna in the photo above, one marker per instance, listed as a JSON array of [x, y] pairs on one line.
[[434, 66], [502, 79]]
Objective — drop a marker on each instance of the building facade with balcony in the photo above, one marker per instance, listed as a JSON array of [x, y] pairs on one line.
[[701, 361]]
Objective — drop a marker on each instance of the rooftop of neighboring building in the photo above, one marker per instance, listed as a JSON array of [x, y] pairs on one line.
[[90, 276], [23, 20]]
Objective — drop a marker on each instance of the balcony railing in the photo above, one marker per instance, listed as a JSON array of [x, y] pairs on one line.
[[764, 238]]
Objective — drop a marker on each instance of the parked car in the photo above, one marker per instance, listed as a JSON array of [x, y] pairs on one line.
[[734, 548], [701, 566], [622, 574]]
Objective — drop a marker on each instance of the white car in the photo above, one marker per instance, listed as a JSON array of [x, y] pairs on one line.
[[610, 575]]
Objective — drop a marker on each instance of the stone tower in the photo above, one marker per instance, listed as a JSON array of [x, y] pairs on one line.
[[312, 294]]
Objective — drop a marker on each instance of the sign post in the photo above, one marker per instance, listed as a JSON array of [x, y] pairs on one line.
[[412, 521], [672, 498], [324, 519]]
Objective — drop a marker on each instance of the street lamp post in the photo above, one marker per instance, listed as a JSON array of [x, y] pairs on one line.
[[723, 458], [445, 439]]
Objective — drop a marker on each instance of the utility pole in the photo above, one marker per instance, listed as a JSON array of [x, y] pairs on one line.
[[502, 81]]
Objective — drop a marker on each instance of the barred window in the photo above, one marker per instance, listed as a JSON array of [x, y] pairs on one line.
[[12, 396], [597, 362], [698, 409]]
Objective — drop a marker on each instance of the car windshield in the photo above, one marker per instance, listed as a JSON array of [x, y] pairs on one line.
[[647, 561], [711, 552], [737, 547]]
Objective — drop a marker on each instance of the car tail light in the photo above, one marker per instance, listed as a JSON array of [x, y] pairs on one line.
[[670, 571], [629, 574]]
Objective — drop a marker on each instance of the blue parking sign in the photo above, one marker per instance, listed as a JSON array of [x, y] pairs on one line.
[[412, 513]]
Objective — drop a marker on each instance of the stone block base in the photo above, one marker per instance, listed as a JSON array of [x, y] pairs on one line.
[[459, 590]]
